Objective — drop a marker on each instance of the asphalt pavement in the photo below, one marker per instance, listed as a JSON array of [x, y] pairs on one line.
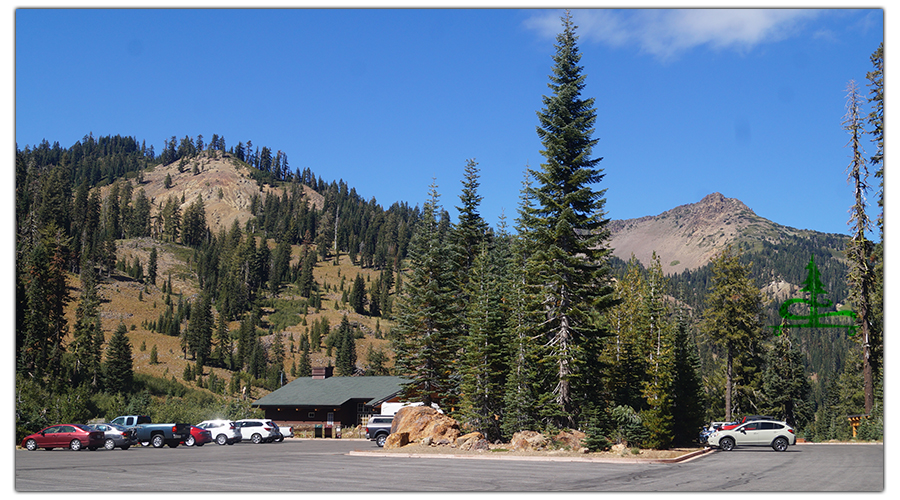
[[326, 465]]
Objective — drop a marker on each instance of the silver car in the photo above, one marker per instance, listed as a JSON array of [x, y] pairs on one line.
[[778, 435], [222, 431], [117, 436]]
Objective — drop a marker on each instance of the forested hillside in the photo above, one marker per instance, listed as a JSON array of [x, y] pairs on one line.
[[227, 273]]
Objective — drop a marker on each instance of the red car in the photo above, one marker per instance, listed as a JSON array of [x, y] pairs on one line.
[[748, 418], [72, 436], [198, 437]]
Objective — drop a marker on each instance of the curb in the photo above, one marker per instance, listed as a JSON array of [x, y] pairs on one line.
[[531, 458]]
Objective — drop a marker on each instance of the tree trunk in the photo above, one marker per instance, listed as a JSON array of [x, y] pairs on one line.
[[728, 383]]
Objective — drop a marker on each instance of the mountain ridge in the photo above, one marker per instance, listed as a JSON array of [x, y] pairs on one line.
[[689, 236]]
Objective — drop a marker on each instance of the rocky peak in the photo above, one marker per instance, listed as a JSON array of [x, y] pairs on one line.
[[685, 237]]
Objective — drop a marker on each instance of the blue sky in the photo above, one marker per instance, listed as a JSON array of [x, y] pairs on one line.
[[749, 103]]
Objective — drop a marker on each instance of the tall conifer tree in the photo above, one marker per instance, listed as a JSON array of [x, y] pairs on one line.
[[860, 248], [428, 312], [732, 318], [568, 230]]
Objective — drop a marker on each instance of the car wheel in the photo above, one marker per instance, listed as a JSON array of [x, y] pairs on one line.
[[256, 438], [75, 445], [145, 443], [125, 447], [158, 441], [109, 444], [780, 444], [380, 440], [727, 444], [221, 439], [190, 441], [31, 445], [279, 439]]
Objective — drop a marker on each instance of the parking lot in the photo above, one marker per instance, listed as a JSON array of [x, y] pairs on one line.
[[325, 465]]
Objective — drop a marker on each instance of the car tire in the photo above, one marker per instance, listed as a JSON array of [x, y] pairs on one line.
[[109, 444], [726, 444], [31, 445], [190, 441], [125, 447], [380, 439], [75, 445], [158, 441], [256, 438], [780, 444], [221, 439]]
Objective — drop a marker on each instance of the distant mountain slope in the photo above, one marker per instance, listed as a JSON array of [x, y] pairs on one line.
[[225, 183], [689, 236]]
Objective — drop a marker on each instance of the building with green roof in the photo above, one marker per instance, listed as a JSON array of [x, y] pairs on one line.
[[325, 400]]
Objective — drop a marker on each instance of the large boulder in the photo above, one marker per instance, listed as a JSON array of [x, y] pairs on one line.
[[472, 441], [570, 438], [420, 422], [529, 441]]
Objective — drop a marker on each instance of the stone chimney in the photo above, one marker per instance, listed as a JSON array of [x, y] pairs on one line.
[[322, 372]]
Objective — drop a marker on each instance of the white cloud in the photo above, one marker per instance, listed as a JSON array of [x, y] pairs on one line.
[[666, 33]]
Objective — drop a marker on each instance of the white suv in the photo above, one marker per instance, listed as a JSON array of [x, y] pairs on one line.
[[223, 431], [259, 430], [778, 435]]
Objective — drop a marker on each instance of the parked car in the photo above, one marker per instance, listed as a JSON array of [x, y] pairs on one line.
[[223, 431], [72, 436], [157, 435], [116, 436], [709, 429], [379, 428], [745, 419], [286, 431], [197, 437], [259, 430], [778, 435]]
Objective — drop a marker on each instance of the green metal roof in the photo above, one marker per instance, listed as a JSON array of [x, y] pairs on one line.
[[333, 391]]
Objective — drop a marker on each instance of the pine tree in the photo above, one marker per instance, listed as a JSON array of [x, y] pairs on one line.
[[345, 359], [660, 379], [358, 295], [859, 249], [567, 229], [626, 353], [785, 383], [427, 313], [688, 398], [732, 318], [88, 338], [484, 354], [876, 120], [152, 266], [119, 364]]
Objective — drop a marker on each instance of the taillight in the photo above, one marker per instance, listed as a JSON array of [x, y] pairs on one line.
[[790, 430]]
